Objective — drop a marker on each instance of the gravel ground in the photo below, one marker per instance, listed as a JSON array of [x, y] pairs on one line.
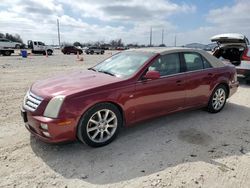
[[187, 149]]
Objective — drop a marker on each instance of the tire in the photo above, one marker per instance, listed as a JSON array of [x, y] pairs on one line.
[[218, 99], [49, 52], [102, 53], [17, 46], [248, 79], [92, 52], [93, 124], [7, 53]]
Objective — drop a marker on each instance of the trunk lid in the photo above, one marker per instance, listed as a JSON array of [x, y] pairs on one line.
[[230, 38]]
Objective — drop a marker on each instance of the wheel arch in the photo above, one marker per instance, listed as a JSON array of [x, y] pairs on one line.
[[224, 84], [119, 107]]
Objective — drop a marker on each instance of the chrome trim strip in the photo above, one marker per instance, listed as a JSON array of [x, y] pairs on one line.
[[35, 96], [31, 101]]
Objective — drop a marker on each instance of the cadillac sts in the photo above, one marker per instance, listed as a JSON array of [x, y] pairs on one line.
[[134, 85]]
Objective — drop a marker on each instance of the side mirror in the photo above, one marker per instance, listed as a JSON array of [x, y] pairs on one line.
[[152, 75]]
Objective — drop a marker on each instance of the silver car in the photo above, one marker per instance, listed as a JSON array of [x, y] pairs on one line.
[[235, 48], [5, 43]]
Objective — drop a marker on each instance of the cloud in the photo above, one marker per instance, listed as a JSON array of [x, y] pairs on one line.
[[36, 20], [88, 20], [227, 19]]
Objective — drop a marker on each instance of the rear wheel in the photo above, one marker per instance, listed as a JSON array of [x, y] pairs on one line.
[[7, 53], [17, 46], [99, 125], [218, 99], [248, 80], [49, 52]]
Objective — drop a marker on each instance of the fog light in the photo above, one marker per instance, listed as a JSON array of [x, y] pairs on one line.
[[44, 126], [46, 134]]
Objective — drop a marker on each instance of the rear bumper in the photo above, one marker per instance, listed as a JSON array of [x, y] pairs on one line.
[[57, 132], [243, 68], [233, 88]]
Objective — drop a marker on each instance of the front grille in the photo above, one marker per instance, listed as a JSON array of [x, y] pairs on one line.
[[31, 101]]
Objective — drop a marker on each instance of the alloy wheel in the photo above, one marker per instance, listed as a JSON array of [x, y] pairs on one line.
[[219, 98], [102, 125]]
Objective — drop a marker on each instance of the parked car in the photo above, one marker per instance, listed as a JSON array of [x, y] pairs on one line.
[[5, 43], [129, 87], [235, 48], [94, 49], [71, 49]]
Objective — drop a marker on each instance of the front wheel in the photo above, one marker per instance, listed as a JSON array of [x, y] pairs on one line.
[[99, 125], [218, 99], [49, 52]]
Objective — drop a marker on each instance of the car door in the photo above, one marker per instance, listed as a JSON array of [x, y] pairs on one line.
[[163, 95], [6, 43], [41, 46], [200, 78], [2, 43]]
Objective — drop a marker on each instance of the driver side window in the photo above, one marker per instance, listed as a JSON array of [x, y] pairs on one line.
[[166, 64]]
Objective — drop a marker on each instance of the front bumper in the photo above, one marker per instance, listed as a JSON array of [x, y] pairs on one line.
[[60, 130]]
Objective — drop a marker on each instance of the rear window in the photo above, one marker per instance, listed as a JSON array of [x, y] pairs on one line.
[[193, 61]]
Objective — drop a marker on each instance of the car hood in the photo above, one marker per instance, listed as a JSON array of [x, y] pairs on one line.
[[230, 38], [72, 83]]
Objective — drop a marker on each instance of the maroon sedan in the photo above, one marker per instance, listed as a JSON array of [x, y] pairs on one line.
[[131, 86]]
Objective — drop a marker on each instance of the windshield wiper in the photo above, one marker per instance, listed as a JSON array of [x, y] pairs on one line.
[[91, 68], [106, 72]]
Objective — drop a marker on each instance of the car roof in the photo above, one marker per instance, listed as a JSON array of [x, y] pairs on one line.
[[215, 62]]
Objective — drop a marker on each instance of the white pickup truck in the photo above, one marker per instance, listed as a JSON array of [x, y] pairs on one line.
[[38, 47], [7, 46]]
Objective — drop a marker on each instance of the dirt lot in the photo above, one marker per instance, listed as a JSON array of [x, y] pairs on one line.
[[187, 149]]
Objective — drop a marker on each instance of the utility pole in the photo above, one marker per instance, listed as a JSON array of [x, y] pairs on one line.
[[162, 37], [175, 40], [150, 43], [58, 33]]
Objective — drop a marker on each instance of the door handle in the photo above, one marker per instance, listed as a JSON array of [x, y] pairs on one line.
[[178, 82], [210, 74]]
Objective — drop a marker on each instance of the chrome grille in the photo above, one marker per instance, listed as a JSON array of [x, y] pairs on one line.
[[31, 101]]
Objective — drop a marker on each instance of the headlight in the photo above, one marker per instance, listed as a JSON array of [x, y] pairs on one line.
[[54, 106]]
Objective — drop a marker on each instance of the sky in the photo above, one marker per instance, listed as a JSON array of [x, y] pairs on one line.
[[103, 20]]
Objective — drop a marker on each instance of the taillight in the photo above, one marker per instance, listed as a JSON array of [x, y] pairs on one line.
[[246, 55], [235, 77]]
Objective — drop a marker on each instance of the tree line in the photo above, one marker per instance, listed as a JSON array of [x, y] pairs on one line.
[[14, 38], [111, 44]]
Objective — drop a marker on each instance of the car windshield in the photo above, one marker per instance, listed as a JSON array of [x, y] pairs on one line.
[[123, 64]]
